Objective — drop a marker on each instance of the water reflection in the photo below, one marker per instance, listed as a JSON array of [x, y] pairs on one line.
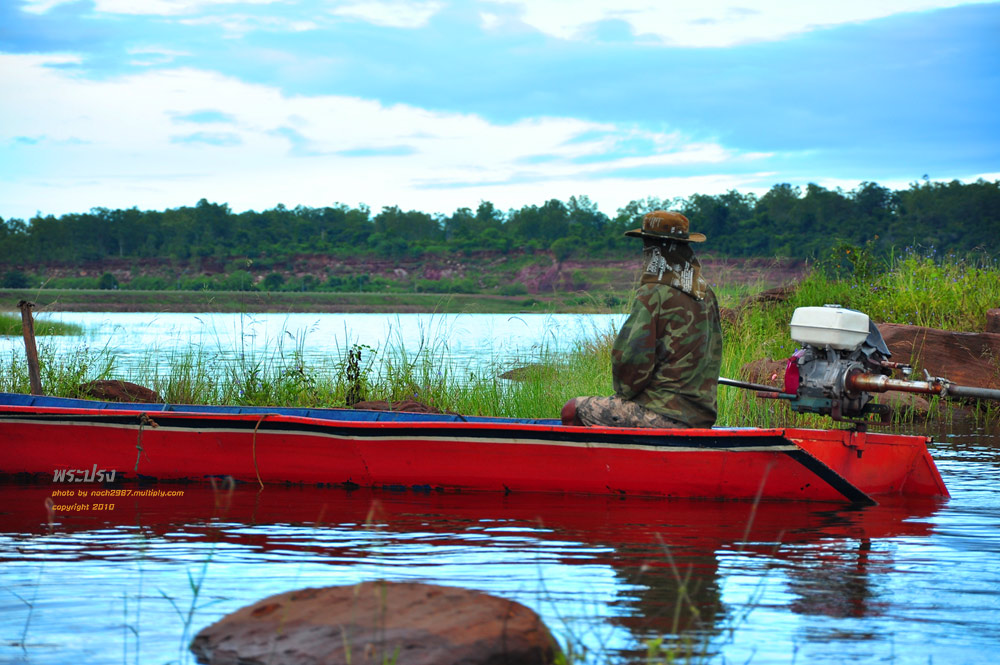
[[901, 582], [647, 568]]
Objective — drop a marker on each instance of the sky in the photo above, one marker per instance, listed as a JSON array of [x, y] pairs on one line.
[[435, 105]]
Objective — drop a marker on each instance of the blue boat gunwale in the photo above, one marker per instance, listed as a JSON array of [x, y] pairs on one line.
[[318, 413], [339, 415]]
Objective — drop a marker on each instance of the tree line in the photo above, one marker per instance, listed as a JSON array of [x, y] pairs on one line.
[[787, 221]]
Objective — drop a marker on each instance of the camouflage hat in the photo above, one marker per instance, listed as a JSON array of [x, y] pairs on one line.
[[664, 225]]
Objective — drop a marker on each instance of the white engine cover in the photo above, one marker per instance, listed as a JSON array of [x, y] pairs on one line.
[[839, 328]]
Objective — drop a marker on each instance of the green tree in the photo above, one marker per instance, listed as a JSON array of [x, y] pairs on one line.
[[412, 226], [15, 279], [563, 248], [273, 281], [107, 282]]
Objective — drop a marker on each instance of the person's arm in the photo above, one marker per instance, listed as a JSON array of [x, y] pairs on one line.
[[633, 356]]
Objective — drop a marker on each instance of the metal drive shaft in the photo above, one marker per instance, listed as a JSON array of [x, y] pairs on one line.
[[877, 383]]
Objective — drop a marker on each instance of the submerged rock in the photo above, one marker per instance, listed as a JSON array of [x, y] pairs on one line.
[[378, 622]]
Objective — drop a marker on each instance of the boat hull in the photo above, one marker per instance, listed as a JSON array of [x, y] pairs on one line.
[[452, 453]]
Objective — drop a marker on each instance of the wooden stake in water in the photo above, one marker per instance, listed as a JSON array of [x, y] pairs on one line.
[[28, 326]]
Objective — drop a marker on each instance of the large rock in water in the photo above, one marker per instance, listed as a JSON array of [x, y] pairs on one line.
[[378, 622], [968, 359]]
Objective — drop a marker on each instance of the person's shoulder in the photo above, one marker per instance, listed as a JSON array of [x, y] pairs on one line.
[[711, 299], [652, 294]]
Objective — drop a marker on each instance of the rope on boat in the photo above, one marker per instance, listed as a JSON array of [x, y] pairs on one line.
[[143, 421]]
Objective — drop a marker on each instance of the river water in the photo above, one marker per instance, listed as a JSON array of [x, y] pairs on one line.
[[144, 342], [724, 582]]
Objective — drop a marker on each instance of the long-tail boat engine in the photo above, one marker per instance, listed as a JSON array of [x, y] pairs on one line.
[[838, 345], [843, 359]]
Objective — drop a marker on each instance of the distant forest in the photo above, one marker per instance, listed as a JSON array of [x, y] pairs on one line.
[[787, 221]]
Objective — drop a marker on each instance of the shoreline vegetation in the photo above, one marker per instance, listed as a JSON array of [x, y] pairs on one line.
[[82, 300], [942, 292], [487, 283]]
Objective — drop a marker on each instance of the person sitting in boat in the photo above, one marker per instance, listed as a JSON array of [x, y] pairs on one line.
[[666, 358]]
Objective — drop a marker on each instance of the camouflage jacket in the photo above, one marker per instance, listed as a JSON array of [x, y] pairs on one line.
[[668, 354]]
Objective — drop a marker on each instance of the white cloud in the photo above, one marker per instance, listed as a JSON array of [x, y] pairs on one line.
[[387, 13], [41, 6], [392, 13], [239, 25], [147, 56], [168, 7], [150, 7], [707, 23], [72, 143]]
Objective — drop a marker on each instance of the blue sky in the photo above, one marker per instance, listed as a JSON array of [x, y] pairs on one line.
[[436, 104]]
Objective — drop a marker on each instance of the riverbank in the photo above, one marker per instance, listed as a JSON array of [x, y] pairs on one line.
[[482, 283], [288, 302], [97, 300]]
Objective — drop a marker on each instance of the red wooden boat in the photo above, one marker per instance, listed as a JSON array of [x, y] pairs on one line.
[[75, 442]]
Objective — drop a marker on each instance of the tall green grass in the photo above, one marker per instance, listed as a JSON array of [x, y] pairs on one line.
[[952, 293]]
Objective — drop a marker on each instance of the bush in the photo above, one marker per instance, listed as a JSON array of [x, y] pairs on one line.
[[273, 281], [563, 248], [513, 289], [107, 282], [147, 283], [238, 280], [71, 283], [347, 284], [15, 279], [304, 283]]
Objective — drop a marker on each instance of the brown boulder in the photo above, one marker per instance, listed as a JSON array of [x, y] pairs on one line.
[[993, 320], [119, 391], [968, 359], [377, 622], [776, 294]]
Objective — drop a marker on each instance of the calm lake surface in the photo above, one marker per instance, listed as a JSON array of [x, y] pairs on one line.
[[785, 583], [142, 341]]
